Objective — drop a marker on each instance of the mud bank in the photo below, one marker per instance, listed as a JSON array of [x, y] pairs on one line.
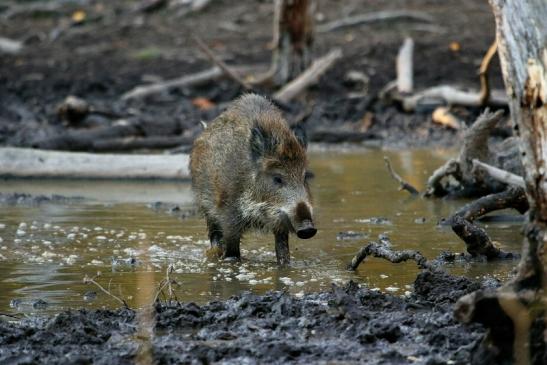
[[346, 324]]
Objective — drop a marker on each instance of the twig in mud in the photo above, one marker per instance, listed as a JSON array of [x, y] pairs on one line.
[[309, 77], [88, 280], [374, 17], [403, 185], [384, 252], [167, 282], [218, 62], [483, 73]]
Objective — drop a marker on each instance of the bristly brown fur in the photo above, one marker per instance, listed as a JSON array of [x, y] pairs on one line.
[[233, 164]]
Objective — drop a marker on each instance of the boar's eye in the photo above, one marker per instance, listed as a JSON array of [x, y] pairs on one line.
[[308, 175], [278, 180]]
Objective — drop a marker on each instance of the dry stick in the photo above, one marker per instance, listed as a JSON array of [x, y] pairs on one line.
[[88, 280], [382, 251], [453, 96], [217, 61], [309, 77], [405, 73], [499, 174], [403, 185], [167, 282], [483, 73], [374, 17], [188, 80]]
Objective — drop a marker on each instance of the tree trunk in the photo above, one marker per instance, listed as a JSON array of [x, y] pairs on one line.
[[293, 38], [516, 313]]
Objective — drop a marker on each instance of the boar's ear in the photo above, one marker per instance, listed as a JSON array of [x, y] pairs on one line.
[[258, 143], [300, 133]]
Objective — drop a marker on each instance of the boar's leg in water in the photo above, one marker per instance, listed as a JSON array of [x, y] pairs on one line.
[[282, 248], [215, 232]]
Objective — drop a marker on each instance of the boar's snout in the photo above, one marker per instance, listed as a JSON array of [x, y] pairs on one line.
[[304, 224], [306, 230]]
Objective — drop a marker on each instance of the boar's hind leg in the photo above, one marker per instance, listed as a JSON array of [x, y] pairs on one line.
[[215, 232], [230, 244], [282, 248]]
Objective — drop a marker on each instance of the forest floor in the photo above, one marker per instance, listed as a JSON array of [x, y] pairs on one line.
[[116, 47]]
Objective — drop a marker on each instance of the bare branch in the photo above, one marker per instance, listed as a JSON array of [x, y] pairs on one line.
[[453, 96], [483, 73], [403, 185], [374, 17], [384, 252], [309, 77], [218, 62], [499, 174], [88, 280]]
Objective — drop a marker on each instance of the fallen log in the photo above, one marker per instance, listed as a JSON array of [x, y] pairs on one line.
[[98, 139], [27, 163]]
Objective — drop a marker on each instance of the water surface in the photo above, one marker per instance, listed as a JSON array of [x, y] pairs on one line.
[[47, 249]]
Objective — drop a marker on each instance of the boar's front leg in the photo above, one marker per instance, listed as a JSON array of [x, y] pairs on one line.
[[215, 232], [282, 248]]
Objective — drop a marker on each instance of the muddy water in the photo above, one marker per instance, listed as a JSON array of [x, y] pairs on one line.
[[47, 249]]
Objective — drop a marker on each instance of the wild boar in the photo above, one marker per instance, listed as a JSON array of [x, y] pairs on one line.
[[249, 171]]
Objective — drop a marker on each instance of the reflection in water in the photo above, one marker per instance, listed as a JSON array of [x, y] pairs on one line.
[[47, 249]]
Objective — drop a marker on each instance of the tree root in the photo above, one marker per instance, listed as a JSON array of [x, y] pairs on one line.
[[476, 239]]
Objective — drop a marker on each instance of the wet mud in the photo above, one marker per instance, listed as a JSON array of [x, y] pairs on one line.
[[116, 49], [348, 324]]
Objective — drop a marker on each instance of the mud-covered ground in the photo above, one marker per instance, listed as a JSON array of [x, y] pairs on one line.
[[111, 47], [345, 325]]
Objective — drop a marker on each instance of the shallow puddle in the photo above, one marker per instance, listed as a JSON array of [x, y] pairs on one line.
[[46, 249]]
